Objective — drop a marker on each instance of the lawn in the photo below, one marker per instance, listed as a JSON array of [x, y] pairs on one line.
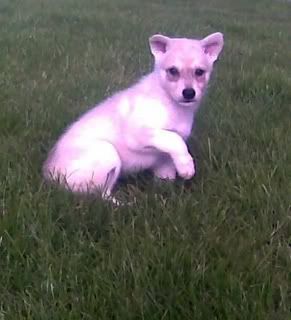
[[217, 247]]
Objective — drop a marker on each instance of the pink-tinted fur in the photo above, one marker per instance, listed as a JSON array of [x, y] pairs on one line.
[[143, 127]]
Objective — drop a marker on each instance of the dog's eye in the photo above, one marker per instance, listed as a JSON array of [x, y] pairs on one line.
[[199, 72], [173, 71]]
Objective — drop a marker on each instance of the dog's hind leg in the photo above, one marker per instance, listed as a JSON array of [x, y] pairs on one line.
[[93, 169]]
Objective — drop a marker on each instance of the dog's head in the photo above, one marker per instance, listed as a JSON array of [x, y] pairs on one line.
[[185, 65]]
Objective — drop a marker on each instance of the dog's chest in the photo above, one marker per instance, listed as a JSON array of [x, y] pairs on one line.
[[181, 124]]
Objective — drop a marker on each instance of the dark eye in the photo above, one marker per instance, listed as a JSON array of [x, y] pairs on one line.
[[199, 72], [173, 71]]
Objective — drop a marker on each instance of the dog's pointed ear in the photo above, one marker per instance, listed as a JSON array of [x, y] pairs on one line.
[[213, 45], [158, 44]]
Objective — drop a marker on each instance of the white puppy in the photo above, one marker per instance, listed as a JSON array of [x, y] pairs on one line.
[[142, 127]]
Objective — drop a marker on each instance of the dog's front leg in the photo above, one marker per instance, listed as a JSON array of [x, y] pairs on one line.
[[171, 143]]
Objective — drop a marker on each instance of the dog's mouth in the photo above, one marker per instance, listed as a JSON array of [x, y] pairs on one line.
[[187, 101]]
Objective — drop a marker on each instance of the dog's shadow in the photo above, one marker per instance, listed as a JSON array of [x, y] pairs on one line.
[[145, 184]]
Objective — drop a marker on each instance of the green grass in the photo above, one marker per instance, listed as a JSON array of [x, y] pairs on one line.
[[218, 247]]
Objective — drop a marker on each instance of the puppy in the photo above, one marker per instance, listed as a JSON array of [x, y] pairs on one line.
[[143, 127]]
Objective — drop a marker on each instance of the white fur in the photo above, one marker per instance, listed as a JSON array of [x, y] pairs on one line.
[[142, 127]]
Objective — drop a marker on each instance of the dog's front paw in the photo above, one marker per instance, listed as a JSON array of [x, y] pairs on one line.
[[186, 167], [165, 172]]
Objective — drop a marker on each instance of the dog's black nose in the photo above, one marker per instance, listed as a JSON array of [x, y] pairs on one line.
[[188, 93]]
